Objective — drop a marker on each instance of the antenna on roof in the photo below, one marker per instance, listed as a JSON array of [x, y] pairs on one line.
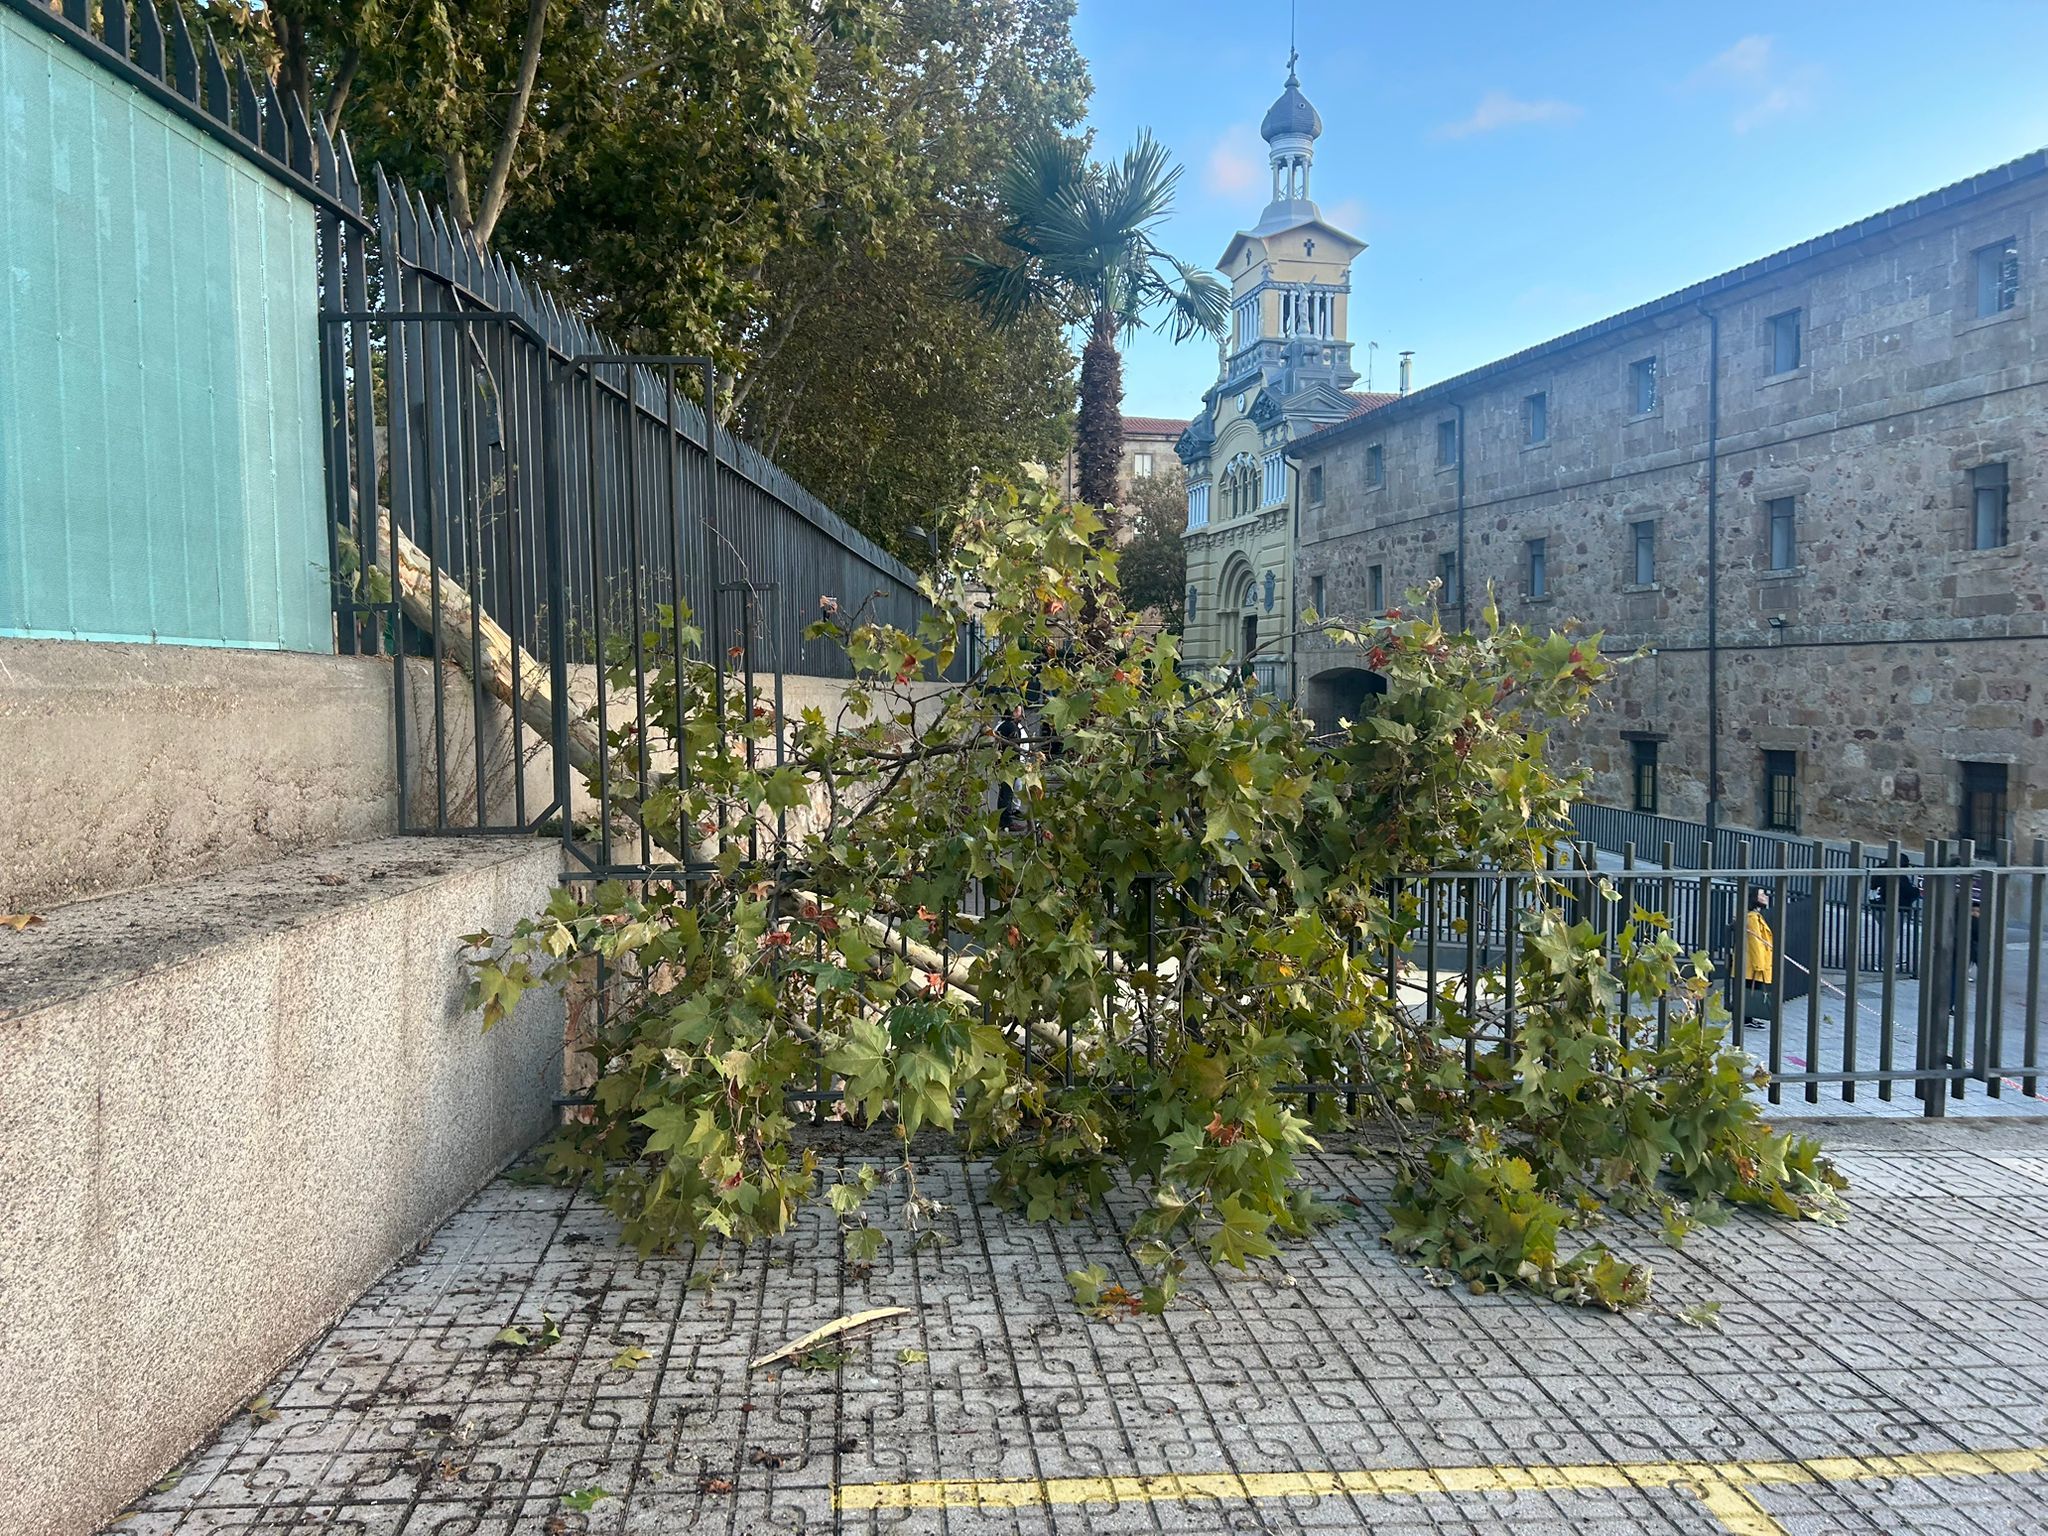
[[1370, 348]]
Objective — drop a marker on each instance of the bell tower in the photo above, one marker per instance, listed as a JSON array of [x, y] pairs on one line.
[[1290, 130], [1285, 371]]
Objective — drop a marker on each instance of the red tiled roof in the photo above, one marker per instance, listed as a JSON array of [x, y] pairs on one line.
[[1153, 426], [1362, 402]]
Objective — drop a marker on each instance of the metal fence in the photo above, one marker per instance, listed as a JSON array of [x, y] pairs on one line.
[[1927, 997], [1914, 1016], [1613, 828], [574, 489], [483, 445]]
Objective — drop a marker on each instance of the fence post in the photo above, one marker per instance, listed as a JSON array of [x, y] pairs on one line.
[[1852, 955], [1738, 949], [1818, 921], [1963, 944], [2037, 889], [555, 583], [1888, 960], [1667, 855], [1934, 910], [1991, 978], [1780, 942]]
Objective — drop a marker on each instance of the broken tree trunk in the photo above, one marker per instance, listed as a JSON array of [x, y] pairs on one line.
[[523, 683]]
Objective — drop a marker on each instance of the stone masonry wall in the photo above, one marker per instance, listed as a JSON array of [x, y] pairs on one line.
[[1889, 653]]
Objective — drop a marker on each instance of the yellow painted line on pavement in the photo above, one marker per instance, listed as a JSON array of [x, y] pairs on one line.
[[1721, 1486]]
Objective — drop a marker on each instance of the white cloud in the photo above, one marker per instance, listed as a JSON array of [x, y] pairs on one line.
[[1349, 215], [1237, 163], [1750, 59], [1497, 110], [1762, 83]]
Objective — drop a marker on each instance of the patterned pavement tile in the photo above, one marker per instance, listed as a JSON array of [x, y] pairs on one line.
[[1304, 1397]]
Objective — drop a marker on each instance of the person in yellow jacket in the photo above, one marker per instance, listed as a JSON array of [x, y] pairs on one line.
[[1760, 948]]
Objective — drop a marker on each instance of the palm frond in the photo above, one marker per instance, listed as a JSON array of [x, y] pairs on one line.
[[1007, 291], [1137, 192]]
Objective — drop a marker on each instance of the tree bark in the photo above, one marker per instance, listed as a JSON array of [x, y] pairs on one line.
[[1099, 434], [337, 92], [515, 119]]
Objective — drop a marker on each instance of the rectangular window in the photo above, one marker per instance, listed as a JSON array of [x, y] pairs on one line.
[[1539, 567], [1447, 442], [1781, 791], [1984, 805], [1315, 485], [1642, 385], [1988, 502], [1375, 465], [1643, 756], [1247, 322], [1780, 516], [1315, 595], [1785, 353], [1141, 465], [1376, 588], [1536, 418], [1447, 573], [1643, 539], [1998, 277]]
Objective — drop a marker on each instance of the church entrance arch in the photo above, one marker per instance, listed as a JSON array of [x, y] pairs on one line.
[[1237, 612]]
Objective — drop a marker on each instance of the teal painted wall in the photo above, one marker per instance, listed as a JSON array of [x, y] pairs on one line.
[[160, 468]]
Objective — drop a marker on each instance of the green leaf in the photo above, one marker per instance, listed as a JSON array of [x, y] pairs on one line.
[[583, 1500], [785, 789], [629, 1358], [512, 1338], [1706, 1315], [1088, 1285], [911, 1356]]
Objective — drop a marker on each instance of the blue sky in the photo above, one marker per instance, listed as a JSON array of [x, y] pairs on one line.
[[1521, 169]]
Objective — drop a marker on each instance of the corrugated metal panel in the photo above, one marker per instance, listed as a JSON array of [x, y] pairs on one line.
[[160, 470]]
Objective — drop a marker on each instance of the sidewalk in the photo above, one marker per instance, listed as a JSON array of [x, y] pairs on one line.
[[1883, 1376]]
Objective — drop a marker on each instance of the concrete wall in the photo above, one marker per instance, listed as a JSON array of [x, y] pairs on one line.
[[1888, 655], [226, 1106], [130, 764]]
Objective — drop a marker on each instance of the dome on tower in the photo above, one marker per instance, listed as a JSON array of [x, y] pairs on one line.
[[1292, 113]]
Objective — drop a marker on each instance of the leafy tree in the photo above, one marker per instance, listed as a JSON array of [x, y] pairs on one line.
[[783, 184], [645, 157], [1079, 243], [869, 375], [1153, 564], [1202, 908]]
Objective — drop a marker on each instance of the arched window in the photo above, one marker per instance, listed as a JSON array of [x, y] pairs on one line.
[[1241, 486]]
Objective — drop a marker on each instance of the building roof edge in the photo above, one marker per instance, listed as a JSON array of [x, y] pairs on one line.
[[1444, 391]]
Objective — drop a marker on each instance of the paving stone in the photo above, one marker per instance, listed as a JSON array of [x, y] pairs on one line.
[[1915, 1326]]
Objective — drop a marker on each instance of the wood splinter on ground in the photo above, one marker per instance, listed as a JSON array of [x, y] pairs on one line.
[[831, 1330]]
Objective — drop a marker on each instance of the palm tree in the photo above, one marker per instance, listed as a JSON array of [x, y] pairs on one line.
[[1078, 241]]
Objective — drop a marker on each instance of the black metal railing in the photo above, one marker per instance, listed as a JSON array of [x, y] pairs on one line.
[[485, 444], [1921, 1016], [1928, 995]]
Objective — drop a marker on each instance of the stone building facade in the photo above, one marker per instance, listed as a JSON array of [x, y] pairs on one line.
[[1811, 492], [1284, 371]]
